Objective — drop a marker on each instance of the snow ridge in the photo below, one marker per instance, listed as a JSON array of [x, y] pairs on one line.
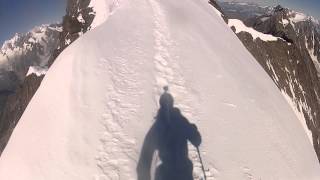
[[168, 74], [103, 9], [107, 86]]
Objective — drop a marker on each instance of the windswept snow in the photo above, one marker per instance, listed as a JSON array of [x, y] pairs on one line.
[[240, 26], [103, 9], [90, 115]]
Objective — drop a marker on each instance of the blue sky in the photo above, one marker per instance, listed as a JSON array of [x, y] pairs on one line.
[[23, 15], [310, 7]]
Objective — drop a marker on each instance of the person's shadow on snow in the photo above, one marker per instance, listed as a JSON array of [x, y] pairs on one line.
[[169, 135]]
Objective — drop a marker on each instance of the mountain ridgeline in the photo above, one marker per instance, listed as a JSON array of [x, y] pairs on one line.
[[292, 61]]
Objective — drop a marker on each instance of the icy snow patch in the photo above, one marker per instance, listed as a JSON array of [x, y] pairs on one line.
[[240, 26], [264, 19], [68, 41], [270, 67], [59, 29], [285, 22], [80, 18], [39, 71]]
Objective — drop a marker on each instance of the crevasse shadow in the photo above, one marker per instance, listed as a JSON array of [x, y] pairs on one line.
[[169, 135]]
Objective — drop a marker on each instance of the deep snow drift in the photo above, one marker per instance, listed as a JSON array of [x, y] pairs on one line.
[[90, 115]]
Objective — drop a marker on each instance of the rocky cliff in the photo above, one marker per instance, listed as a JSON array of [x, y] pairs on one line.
[[292, 60]]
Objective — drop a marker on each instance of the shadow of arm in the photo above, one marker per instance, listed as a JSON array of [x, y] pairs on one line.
[[145, 160], [193, 134]]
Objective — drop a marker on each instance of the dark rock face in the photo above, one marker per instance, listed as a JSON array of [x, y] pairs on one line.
[[77, 21], [15, 105], [292, 61], [216, 5]]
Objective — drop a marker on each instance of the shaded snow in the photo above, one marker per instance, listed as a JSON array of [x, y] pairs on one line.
[[90, 115], [299, 115], [298, 106], [240, 26]]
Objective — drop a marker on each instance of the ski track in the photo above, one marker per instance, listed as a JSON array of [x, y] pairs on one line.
[[168, 73], [116, 152]]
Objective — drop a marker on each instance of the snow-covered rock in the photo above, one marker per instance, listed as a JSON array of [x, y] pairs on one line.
[[240, 27], [106, 86]]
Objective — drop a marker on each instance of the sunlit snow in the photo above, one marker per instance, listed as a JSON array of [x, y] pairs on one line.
[[98, 100]]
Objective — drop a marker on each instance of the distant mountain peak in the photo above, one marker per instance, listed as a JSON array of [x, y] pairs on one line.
[[279, 8], [33, 48]]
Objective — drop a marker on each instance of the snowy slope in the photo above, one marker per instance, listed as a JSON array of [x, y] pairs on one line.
[[106, 86]]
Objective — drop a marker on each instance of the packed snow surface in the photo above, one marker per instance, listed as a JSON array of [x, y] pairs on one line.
[[240, 26], [92, 111]]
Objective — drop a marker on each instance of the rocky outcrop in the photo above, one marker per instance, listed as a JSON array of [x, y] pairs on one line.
[[216, 5], [292, 61], [77, 21]]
